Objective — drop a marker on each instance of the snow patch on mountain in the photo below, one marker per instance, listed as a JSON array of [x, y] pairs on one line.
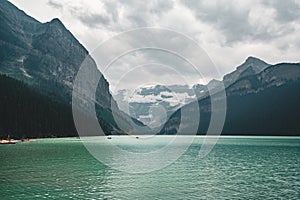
[[23, 70], [154, 104]]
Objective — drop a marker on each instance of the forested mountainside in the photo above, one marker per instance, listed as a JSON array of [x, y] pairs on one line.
[[267, 103]]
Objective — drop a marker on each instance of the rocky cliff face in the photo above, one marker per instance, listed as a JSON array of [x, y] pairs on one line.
[[47, 57], [43, 55]]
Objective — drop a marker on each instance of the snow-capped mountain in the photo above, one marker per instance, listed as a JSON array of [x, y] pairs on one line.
[[154, 104]]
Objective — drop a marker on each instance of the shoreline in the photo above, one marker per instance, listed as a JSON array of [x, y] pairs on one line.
[[196, 136], [152, 136]]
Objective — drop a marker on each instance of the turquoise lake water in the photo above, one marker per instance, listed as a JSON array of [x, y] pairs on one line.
[[237, 168]]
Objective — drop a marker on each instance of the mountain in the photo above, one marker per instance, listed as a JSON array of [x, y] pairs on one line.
[[259, 102], [153, 105], [251, 66], [45, 57]]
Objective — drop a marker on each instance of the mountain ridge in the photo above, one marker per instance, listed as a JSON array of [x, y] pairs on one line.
[[163, 94], [259, 104], [46, 57]]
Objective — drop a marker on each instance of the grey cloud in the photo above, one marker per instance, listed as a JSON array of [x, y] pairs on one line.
[[138, 13], [134, 13], [137, 21], [234, 22], [287, 11], [113, 8], [154, 65], [224, 27], [91, 20], [55, 4], [94, 20], [161, 6]]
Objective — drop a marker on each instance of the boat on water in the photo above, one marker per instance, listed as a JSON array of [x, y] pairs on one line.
[[9, 141], [26, 140]]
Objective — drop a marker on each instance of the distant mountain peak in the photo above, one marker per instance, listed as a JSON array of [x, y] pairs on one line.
[[257, 64], [56, 21], [253, 59], [252, 65], [214, 81], [256, 61]]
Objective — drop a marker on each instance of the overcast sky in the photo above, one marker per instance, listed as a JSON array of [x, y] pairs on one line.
[[228, 30]]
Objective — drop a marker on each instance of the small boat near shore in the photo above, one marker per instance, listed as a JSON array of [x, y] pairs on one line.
[[26, 140], [9, 141]]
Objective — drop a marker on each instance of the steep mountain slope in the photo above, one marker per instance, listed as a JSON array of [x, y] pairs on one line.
[[267, 103], [42, 55], [46, 57]]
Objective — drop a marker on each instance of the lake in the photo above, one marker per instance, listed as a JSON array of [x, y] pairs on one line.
[[236, 168]]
